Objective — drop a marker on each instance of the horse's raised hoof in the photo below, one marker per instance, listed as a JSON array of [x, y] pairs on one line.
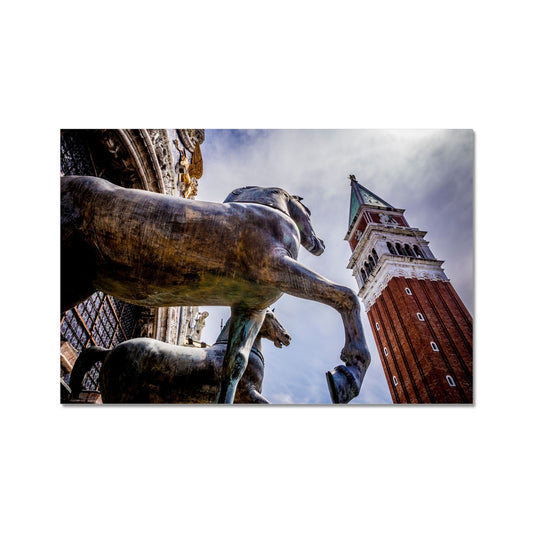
[[344, 383]]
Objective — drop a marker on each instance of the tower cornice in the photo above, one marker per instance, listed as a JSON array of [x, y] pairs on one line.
[[393, 266]]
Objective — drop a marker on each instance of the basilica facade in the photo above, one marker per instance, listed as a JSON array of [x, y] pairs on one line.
[[165, 161]]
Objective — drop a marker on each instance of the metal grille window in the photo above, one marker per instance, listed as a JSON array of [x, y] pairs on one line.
[[101, 320], [75, 156]]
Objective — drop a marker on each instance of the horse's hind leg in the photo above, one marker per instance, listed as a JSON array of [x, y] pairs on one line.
[[244, 326], [296, 279]]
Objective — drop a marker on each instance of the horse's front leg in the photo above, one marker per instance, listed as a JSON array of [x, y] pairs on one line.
[[294, 278], [244, 326]]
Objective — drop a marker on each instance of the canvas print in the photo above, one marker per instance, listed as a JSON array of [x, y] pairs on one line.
[[295, 267]]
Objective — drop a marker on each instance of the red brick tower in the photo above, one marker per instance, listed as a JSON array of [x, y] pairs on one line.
[[422, 329]]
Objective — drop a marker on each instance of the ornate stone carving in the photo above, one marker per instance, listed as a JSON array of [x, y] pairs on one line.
[[190, 138], [122, 159], [160, 142], [145, 324]]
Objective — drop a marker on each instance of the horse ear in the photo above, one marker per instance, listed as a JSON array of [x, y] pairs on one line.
[[299, 198]]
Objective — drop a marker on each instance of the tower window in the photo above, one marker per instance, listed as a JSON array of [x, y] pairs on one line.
[[385, 351], [377, 326], [434, 346], [408, 251], [391, 248], [417, 251], [420, 316], [363, 275], [375, 256], [408, 291], [450, 381], [399, 249], [394, 380]]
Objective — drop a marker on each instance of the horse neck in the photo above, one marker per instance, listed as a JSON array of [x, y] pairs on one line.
[[224, 336], [257, 344]]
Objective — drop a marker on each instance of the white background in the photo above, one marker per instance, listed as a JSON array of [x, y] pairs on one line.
[[279, 64]]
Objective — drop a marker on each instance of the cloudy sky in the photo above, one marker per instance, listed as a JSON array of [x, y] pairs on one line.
[[429, 173]]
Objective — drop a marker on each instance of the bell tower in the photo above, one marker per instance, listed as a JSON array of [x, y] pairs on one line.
[[422, 329]]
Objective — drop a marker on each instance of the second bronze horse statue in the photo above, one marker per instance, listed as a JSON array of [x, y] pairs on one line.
[[155, 250], [149, 371]]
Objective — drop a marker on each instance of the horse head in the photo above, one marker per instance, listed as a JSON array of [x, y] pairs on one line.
[[281, 200], [274, 331], [302, 216]]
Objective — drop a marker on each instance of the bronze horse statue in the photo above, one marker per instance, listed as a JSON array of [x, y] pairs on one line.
[[155, 250], [149, 371]]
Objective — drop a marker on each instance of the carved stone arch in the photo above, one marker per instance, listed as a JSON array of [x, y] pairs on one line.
[[142, 157], [190, 138]]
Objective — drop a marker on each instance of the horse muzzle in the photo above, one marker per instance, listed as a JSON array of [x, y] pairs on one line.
[[283, 340]]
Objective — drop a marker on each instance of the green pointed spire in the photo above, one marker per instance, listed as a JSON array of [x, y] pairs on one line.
[[362, 196]]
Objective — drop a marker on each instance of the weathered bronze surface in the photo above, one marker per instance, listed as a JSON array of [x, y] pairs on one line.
[[155, 250], [150, 371]]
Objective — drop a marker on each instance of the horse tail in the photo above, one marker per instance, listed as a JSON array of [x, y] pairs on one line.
[[82, 365]]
